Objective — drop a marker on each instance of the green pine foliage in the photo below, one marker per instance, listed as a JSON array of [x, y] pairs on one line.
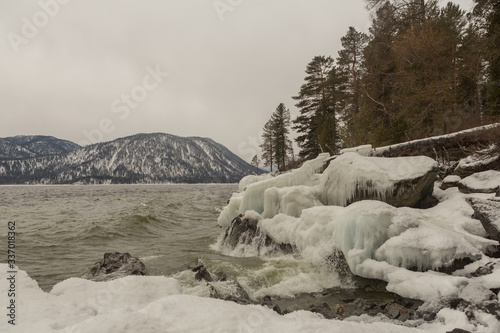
[[424, 69]]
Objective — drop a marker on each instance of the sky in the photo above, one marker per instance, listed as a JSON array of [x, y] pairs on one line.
[[96, 70]]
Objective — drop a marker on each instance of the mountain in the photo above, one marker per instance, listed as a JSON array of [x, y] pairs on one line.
[[26, 146], [141, 158]]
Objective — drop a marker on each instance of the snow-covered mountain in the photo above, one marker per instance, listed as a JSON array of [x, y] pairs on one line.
[[26, 146], [141, 158]]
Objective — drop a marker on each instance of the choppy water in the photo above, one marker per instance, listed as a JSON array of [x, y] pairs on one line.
[[63, 230]]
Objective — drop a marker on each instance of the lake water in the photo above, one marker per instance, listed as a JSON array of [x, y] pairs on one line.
[[63, 230]]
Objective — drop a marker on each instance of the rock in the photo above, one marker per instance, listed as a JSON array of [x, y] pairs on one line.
[[498, 192], [202, 274], [323, 309], [484, 270], [429, 202], [267, 301], [481, 182], [244, 230], [450, 181], [488, 212], [399, 181], [458, 330], [487, 159], [114, 265]]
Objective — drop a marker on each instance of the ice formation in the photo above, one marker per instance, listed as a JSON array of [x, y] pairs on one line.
[[253, 197], [352, 172]]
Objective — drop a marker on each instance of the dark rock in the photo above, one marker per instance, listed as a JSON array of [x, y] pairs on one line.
[[488, 212], [429, 202], [323, 309], [267, 301], [393, 311], [458, 330], [246, 231], [498, 192], [484, 270], [114, 265], [203, 274]]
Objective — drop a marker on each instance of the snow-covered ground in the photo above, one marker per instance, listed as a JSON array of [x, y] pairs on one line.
[[156, 304]]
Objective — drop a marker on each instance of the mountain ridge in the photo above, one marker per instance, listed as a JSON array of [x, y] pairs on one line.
[[139, 158], [29, 146]]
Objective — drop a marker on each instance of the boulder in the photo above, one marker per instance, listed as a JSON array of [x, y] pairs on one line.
[[481, 182], [488, 212], [399, 181], [245, 231], [487, 159], [114, 265], [450, 181]]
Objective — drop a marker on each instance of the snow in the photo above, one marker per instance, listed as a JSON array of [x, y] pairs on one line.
[[483, 181], [253, 197], [351, 172], [154, 304], [452, 179], [364, 150], [380, 150]]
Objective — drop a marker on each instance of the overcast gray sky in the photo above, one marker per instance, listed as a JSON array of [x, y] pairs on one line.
[[96, 70]]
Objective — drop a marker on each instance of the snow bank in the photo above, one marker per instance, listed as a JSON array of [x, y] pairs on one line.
[[486, 181], [154, 304], [253, 197], [351, 172]]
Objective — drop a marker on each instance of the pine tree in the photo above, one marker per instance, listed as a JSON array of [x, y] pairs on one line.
[[267, 145], [256, 162], [350, 63], [280, 122], [314, 105]]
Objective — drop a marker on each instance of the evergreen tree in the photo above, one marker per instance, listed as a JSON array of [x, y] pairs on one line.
[[315, 106], [280, 122], [350, 63], [267, 145], [256, 162]]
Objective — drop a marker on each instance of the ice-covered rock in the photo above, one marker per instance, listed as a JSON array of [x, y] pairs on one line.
[[488, 212], [364, 150], [400, 181], [114, 265], [450, 181], [253, 198], [481, 182], [371, 230], [290, 201], [486, 159], [245, 231]]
